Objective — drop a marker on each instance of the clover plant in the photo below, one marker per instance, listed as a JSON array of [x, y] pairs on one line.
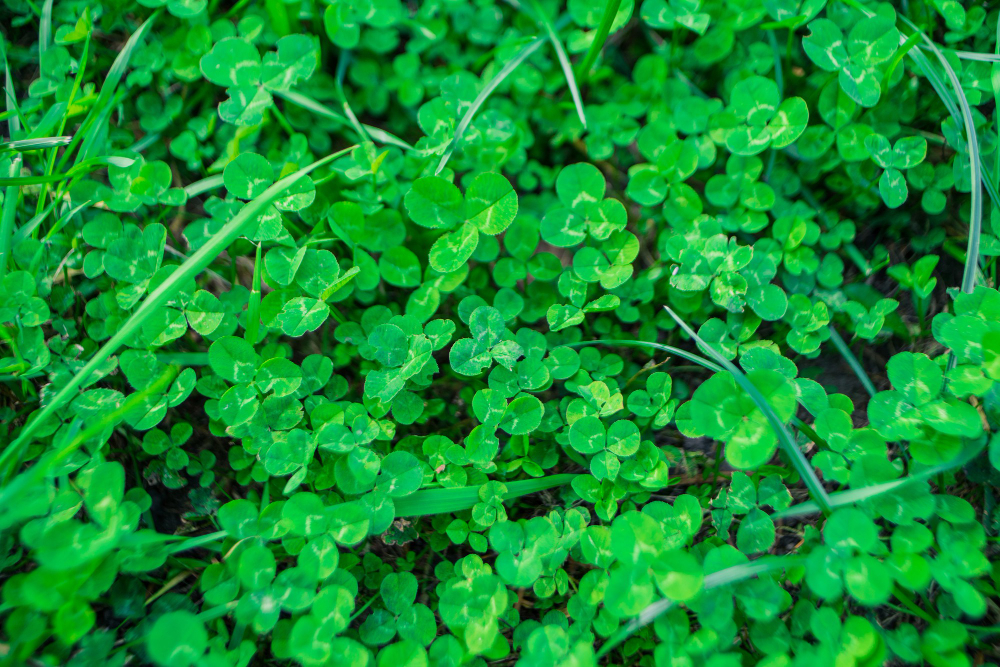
[[598, 332]]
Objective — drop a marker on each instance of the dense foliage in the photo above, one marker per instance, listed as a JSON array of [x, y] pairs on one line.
[[658, 333]]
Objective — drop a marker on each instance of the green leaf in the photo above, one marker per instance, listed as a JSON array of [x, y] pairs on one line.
[[248, 176], [177, 639], [491, 203]]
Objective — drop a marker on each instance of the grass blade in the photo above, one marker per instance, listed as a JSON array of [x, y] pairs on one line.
[[669, 349], [852, 361], [33, 224], [564, 63], [8, 214], [730, 575], [600, 37], [798, 460], [852, 496], [308, 103], [423, 503], [439, 501], [80, 169], [484, 94], [345, 59], [154, 301], [204, 185], [90, 130], [45, 30], [253, 306], [975, 163], [25, 145], [972, 55], [9, 493], [9, 211]]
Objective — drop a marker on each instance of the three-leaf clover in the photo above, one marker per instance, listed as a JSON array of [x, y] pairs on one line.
[[489, 207], [490, 341], [757, 118], [235, 63], [858, 60], [584, 210], [905, 153]]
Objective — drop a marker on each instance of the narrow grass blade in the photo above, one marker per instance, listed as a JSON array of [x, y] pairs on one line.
[[940, 88], [25, 145], [730, 575], [308, 103], [33, 224], [669, 349], [188, 270], [995, 84], [11, 193], [798, 460], [439, 501], [424, 503], [976, 211], [484, 94], [197, 541], [853, 496], [253, 307], [10, 492], [972, 55], [8, 214], [45, 30], [564, 63], [600, 37], [204, 185], [144, 143], [80, 169], [852, 361], [90, 129], [345, 59]]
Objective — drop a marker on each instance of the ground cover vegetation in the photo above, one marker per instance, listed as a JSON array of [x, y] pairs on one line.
[[658, 333]]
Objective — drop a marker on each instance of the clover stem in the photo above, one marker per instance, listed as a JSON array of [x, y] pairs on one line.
[[908, 602], [365, 606]]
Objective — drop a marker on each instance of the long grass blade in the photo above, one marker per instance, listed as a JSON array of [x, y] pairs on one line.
[[253, 306], [975, 164], [33, 224], [567, 68], [484, 94], [939, 86], [669, 349], [439, 501], [308, 103], [853, 496], [972, 55], [91, 129], [730, 575], [345, 60], [80, 169], [852, 361], [204, 185], [600, 37], [44, 30], [798, 460], [157, 298], [25, 145], [9, 212], [10, 492], [995, 84]]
